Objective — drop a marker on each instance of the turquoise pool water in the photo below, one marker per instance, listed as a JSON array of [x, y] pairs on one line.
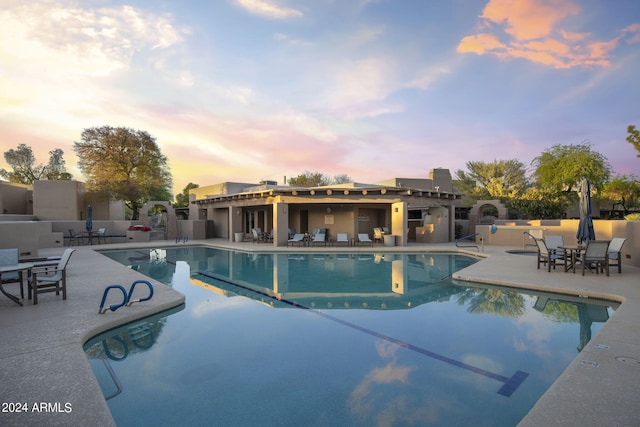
[[334, 339]]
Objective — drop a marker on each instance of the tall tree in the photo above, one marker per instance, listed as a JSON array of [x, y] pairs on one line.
[[309, 179], [561, 167], [22, 161], [623, 190], [182, 199], [500, 179], [342, 178], [123, 164], [634, 138]]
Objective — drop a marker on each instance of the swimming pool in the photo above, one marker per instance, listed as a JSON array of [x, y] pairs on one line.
[[334, 339]]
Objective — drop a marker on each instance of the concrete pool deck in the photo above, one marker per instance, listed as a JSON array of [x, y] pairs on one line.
[[44, 370]]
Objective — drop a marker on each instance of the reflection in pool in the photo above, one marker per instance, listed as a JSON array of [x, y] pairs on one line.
[[335, 339]]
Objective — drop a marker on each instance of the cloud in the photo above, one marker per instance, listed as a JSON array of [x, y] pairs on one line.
[[93, 42], [530, 29], [268, 9], [528, 19]]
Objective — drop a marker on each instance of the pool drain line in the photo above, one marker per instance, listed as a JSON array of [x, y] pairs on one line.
[[510, 384]]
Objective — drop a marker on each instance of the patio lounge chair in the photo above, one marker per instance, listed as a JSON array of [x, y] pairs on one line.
[[44, 279], [297, 238], [615, 252], [363, 238], [596, 256], [319, 238], [257, 234], [377, 234], [547, 257], [342, 238]]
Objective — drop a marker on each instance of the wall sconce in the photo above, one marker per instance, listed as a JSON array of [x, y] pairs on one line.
[[238, 212], [329, 192], [284, 209], [397, 210], [312, 192], [328, 210]]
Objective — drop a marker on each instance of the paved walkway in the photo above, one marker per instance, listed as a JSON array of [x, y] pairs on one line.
[[44, 370]]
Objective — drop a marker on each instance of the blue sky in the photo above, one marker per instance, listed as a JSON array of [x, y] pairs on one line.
[[245, 90]]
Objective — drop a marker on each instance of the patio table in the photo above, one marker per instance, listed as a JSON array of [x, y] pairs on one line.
[[19, 268], [571, 256]]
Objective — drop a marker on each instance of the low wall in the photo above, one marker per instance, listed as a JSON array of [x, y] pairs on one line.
[[511, 233]]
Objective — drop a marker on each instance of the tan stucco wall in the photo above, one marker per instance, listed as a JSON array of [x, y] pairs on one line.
[[510, 233], [16, 199], [62, 200]]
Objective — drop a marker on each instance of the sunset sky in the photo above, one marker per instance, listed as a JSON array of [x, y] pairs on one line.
[[246, 90]]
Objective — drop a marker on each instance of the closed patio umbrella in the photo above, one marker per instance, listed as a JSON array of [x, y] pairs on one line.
[[89, 223], [585, 227]]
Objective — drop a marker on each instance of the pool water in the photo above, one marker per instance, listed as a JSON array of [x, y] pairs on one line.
[[334, 339]]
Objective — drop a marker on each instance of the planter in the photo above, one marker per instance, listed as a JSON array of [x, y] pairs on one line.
[[138, 236], [239, 237], [389, 240]]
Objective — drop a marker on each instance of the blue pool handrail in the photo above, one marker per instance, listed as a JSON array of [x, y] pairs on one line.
[[112, 307], [469, 237], [127, 300], [133, 285]]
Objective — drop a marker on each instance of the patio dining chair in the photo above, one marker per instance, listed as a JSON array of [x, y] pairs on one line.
[[45, 279], [74, 237], [553, 243], [596, 256], [615, 252], [545, 256]]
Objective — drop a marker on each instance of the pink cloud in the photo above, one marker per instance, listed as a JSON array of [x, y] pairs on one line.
[[528, 19], [530, 29], [480, 43]]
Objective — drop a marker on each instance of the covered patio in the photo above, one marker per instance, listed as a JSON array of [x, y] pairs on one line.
[[408, 214]]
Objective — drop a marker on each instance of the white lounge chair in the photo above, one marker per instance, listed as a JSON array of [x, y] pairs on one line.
[[297, 238], [342, 238], [45, 279], [364, 238], [319, 238]]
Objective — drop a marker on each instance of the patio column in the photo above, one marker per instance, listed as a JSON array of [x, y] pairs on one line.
[[235, 221], [280, 224], [399, 225]]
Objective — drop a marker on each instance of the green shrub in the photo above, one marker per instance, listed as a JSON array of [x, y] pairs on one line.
[[633, 217]]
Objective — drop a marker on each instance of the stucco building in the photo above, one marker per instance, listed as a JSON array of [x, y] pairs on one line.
[[421, 210]]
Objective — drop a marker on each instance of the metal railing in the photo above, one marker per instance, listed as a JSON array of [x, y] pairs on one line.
[[470, 237]]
